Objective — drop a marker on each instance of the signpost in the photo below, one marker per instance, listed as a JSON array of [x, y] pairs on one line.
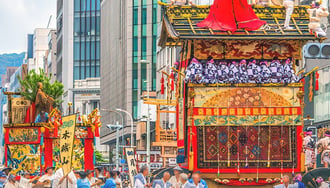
[[131, 162], [66, 142]]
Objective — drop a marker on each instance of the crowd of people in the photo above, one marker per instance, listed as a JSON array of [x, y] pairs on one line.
[[244, 71], [178, 180], [74, 179]]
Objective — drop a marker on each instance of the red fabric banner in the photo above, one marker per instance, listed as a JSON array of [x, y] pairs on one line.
[[89, 153]]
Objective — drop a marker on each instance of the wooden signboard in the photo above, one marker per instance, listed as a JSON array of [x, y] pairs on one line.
[[19, 107]]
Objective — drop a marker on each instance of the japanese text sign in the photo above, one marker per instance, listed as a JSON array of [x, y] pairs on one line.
[[130, 156], [67, 132]]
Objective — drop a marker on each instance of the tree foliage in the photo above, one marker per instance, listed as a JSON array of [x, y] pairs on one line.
[[29, 86], [99, 157]]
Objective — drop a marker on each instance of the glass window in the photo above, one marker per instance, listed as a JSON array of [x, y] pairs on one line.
[[135, 44], [76, 5], [135, 15], [135, 110], [144, 30], [98, 25], [82, 27], [82, 71], [76, 72], [144, 16], [76, 26], [88, 69], [98, 70], [93, 25], [93, 50], [88, 4], [135, 3], [135, 31], [98, 5], [82, 51], [93, 2], [143, 47], [76, 51], [93, 70], [154, 14], [82, 5], [88, 25], [144, 2], [88, 50], [98, 50]]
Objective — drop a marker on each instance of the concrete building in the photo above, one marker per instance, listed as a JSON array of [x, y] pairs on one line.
[[78, 55], [40, 47], [127, 38], [50, 63], [14, 84]]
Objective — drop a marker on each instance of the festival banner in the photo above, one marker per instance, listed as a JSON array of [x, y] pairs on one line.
[[67, 133], [130, 157]]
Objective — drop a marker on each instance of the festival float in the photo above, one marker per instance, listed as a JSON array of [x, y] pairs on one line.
[[239, 89], [32, 136]]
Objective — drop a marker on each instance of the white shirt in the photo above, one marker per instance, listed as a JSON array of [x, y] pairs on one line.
[[139, 184], [165, 185], [47, 177], [175, 182], [10, 185], [59, 174], [25, 183], [118, 180]]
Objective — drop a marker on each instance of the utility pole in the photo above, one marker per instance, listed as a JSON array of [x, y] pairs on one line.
[[117, 145]]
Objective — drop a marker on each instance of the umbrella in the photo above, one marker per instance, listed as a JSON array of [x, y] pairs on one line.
[[158, 174], [308, 177]]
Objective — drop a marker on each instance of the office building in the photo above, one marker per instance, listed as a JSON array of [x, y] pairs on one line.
[[78, 53], [40, 47], [50, 63], [127, 38]]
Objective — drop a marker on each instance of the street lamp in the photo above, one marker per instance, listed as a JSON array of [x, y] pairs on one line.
[[148, 115], [117, 127], [130, 116]]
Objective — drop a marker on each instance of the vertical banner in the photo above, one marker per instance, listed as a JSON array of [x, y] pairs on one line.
[[66, 142], [130, 156]]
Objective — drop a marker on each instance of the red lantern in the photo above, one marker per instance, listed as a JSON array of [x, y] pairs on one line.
[[317, 81], [172, 81]]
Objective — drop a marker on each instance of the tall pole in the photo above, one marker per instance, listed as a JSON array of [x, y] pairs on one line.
[[117, 146], [148, 121]]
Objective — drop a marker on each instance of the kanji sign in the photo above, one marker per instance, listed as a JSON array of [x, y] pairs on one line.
[[67, 132], [130, 156]]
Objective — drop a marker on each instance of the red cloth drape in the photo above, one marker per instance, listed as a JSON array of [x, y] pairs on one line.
[[30, 114], [317, 81], [230, 15], [48, 142], [89, 154]]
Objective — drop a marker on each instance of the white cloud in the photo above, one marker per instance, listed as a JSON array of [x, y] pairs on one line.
[[19, 18]]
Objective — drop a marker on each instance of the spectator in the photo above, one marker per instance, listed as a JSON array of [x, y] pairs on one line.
[[175, 180], [184, 180], [322, 183], [286, 183], [201, 181], [110, 183], [11, 182], [298, 182], [140, 179], [3, 179], [163, 183], [92, 180], [83, 180], [118, 180], [196, 182], [46, 180], [6, 170], [26, 181]]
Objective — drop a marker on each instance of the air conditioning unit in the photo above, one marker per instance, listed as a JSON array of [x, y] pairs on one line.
[[317, 51]]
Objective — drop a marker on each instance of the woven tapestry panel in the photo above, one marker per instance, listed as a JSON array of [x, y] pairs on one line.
[[250, 146]]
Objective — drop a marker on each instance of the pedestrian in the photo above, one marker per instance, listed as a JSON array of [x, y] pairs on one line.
[[26, 181], [110, 182], [309, 148], [184, 180], [6, 170], [175, 180], [201, 181], [286, 183], [3, 179], [323, 147], [11, 182], [83, 180], [119, 183], [61, 181], [298, 183], [46, 180], [164, 182], [140, 179], [321, 183]]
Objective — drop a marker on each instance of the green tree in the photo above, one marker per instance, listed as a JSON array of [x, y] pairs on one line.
[[29, 86], [99, 157]]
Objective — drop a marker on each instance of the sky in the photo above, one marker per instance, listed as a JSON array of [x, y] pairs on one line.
[[19, 18]]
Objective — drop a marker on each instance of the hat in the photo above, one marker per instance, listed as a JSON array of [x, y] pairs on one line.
[[98, 168], [89, 172], [50, 167], [5, 168], [2, 175], [178, 168]]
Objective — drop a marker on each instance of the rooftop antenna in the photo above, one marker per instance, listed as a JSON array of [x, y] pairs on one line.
[[50, 19]]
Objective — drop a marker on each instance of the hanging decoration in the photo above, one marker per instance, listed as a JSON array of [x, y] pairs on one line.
[[162, 86], [317, 75], [172, 81], [310, 96], [95, 121], [55, 120]]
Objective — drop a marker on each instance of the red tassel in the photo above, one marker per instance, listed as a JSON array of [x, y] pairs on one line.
[[317, 81], [172, 81], [162, 87], [97, 131], [79, 119]]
